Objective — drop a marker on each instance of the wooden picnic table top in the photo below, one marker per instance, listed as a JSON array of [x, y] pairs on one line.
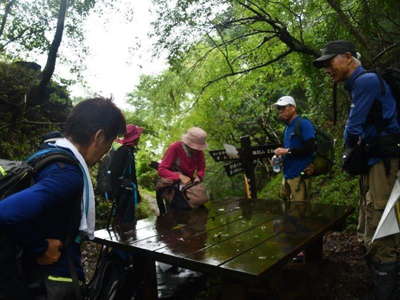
[[238, 238]]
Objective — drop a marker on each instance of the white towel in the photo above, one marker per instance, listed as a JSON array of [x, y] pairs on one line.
[[88, 211]]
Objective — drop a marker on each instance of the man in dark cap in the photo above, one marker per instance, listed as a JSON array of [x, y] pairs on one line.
[[372, 121]]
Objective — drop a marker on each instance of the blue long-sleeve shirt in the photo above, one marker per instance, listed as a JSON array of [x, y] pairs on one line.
[[364, 91], [293, 166], [45, 210]]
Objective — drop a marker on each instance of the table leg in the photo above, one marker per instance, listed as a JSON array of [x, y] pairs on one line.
[[233, 290], [313, 252], [146, 269], [160, 203]]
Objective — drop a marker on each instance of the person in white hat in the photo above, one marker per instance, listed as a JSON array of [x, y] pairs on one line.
[[184, 162], [297, 151]]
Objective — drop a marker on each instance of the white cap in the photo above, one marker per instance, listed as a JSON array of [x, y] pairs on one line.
[[285, 100]]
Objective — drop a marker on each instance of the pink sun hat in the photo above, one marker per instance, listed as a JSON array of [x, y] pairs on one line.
[[131, 136], [195, 138]]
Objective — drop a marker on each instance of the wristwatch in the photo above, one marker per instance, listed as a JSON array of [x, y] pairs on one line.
[[289, 151]]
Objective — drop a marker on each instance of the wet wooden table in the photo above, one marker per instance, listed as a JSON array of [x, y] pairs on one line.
[[237, 239]]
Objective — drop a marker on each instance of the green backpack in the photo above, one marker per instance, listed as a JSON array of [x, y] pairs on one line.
[[324, 150]]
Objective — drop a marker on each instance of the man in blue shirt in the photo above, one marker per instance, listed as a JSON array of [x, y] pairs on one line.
[[372, 121], [41, 218], [297, 151]]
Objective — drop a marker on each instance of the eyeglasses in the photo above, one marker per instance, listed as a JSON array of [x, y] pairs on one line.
[[327, 63], [279, 107]]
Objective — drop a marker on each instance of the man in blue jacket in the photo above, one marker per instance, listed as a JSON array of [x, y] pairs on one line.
[[372, 121], [41, 217], [297, 151]]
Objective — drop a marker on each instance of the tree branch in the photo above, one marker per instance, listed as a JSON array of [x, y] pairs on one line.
[[203, 57], [346, 22], [241, 21], [13, 39], [281, 31], [7, 10], [224, 54], [41, 123], [265, 40], [279, 57], [380, 54]]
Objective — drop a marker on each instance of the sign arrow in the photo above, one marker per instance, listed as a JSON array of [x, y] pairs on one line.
[[262, 151], [257, 152], [219, 155], [234, 168]]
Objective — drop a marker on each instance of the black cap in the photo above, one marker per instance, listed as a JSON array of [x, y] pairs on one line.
[[332, 49]]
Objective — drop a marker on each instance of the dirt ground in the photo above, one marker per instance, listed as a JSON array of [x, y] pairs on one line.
[[342, 275]]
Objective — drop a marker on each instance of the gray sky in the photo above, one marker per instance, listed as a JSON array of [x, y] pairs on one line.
[[115, 63]]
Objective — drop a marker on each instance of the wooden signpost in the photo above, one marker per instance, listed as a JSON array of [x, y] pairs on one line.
[[245, 163]]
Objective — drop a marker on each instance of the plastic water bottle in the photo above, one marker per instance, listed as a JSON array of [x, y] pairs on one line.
[[276, 163]]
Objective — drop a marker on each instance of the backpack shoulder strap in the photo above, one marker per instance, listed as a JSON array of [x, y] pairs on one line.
[[38, 161], [44, 157], [297, 128], [381, 82], [361, 74]]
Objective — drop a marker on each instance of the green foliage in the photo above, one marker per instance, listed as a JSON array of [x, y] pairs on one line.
[[16, 81], [144, 208], [103, 209], [272, 189], [27, 28], [27, 24], [21, 124], [231, 59], [147, 178], [336, 188]]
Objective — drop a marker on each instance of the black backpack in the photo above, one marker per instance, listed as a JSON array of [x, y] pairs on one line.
[[116, 180], [355, 160], [392, 77], [114, 277], [18, 175], [104, 176], [324, 149], [14, 177]]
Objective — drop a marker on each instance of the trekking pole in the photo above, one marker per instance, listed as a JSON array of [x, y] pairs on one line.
[[334, 104], [110, 215]]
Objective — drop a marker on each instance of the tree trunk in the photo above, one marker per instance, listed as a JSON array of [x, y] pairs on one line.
[[7, 10], [40, 95]]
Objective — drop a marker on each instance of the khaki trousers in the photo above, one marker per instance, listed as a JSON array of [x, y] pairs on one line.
[[376, 187], [296, 189]]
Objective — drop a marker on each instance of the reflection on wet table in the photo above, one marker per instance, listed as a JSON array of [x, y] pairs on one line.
[[233, 237]]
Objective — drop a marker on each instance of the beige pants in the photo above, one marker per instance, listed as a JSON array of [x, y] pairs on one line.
[[296, 189], [376, 187]]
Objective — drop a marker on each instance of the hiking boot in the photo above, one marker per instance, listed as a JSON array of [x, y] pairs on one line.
[[299, 258]]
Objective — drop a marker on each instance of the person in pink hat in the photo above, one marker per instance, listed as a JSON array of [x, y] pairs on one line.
[[184, 162], [124, 193]]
